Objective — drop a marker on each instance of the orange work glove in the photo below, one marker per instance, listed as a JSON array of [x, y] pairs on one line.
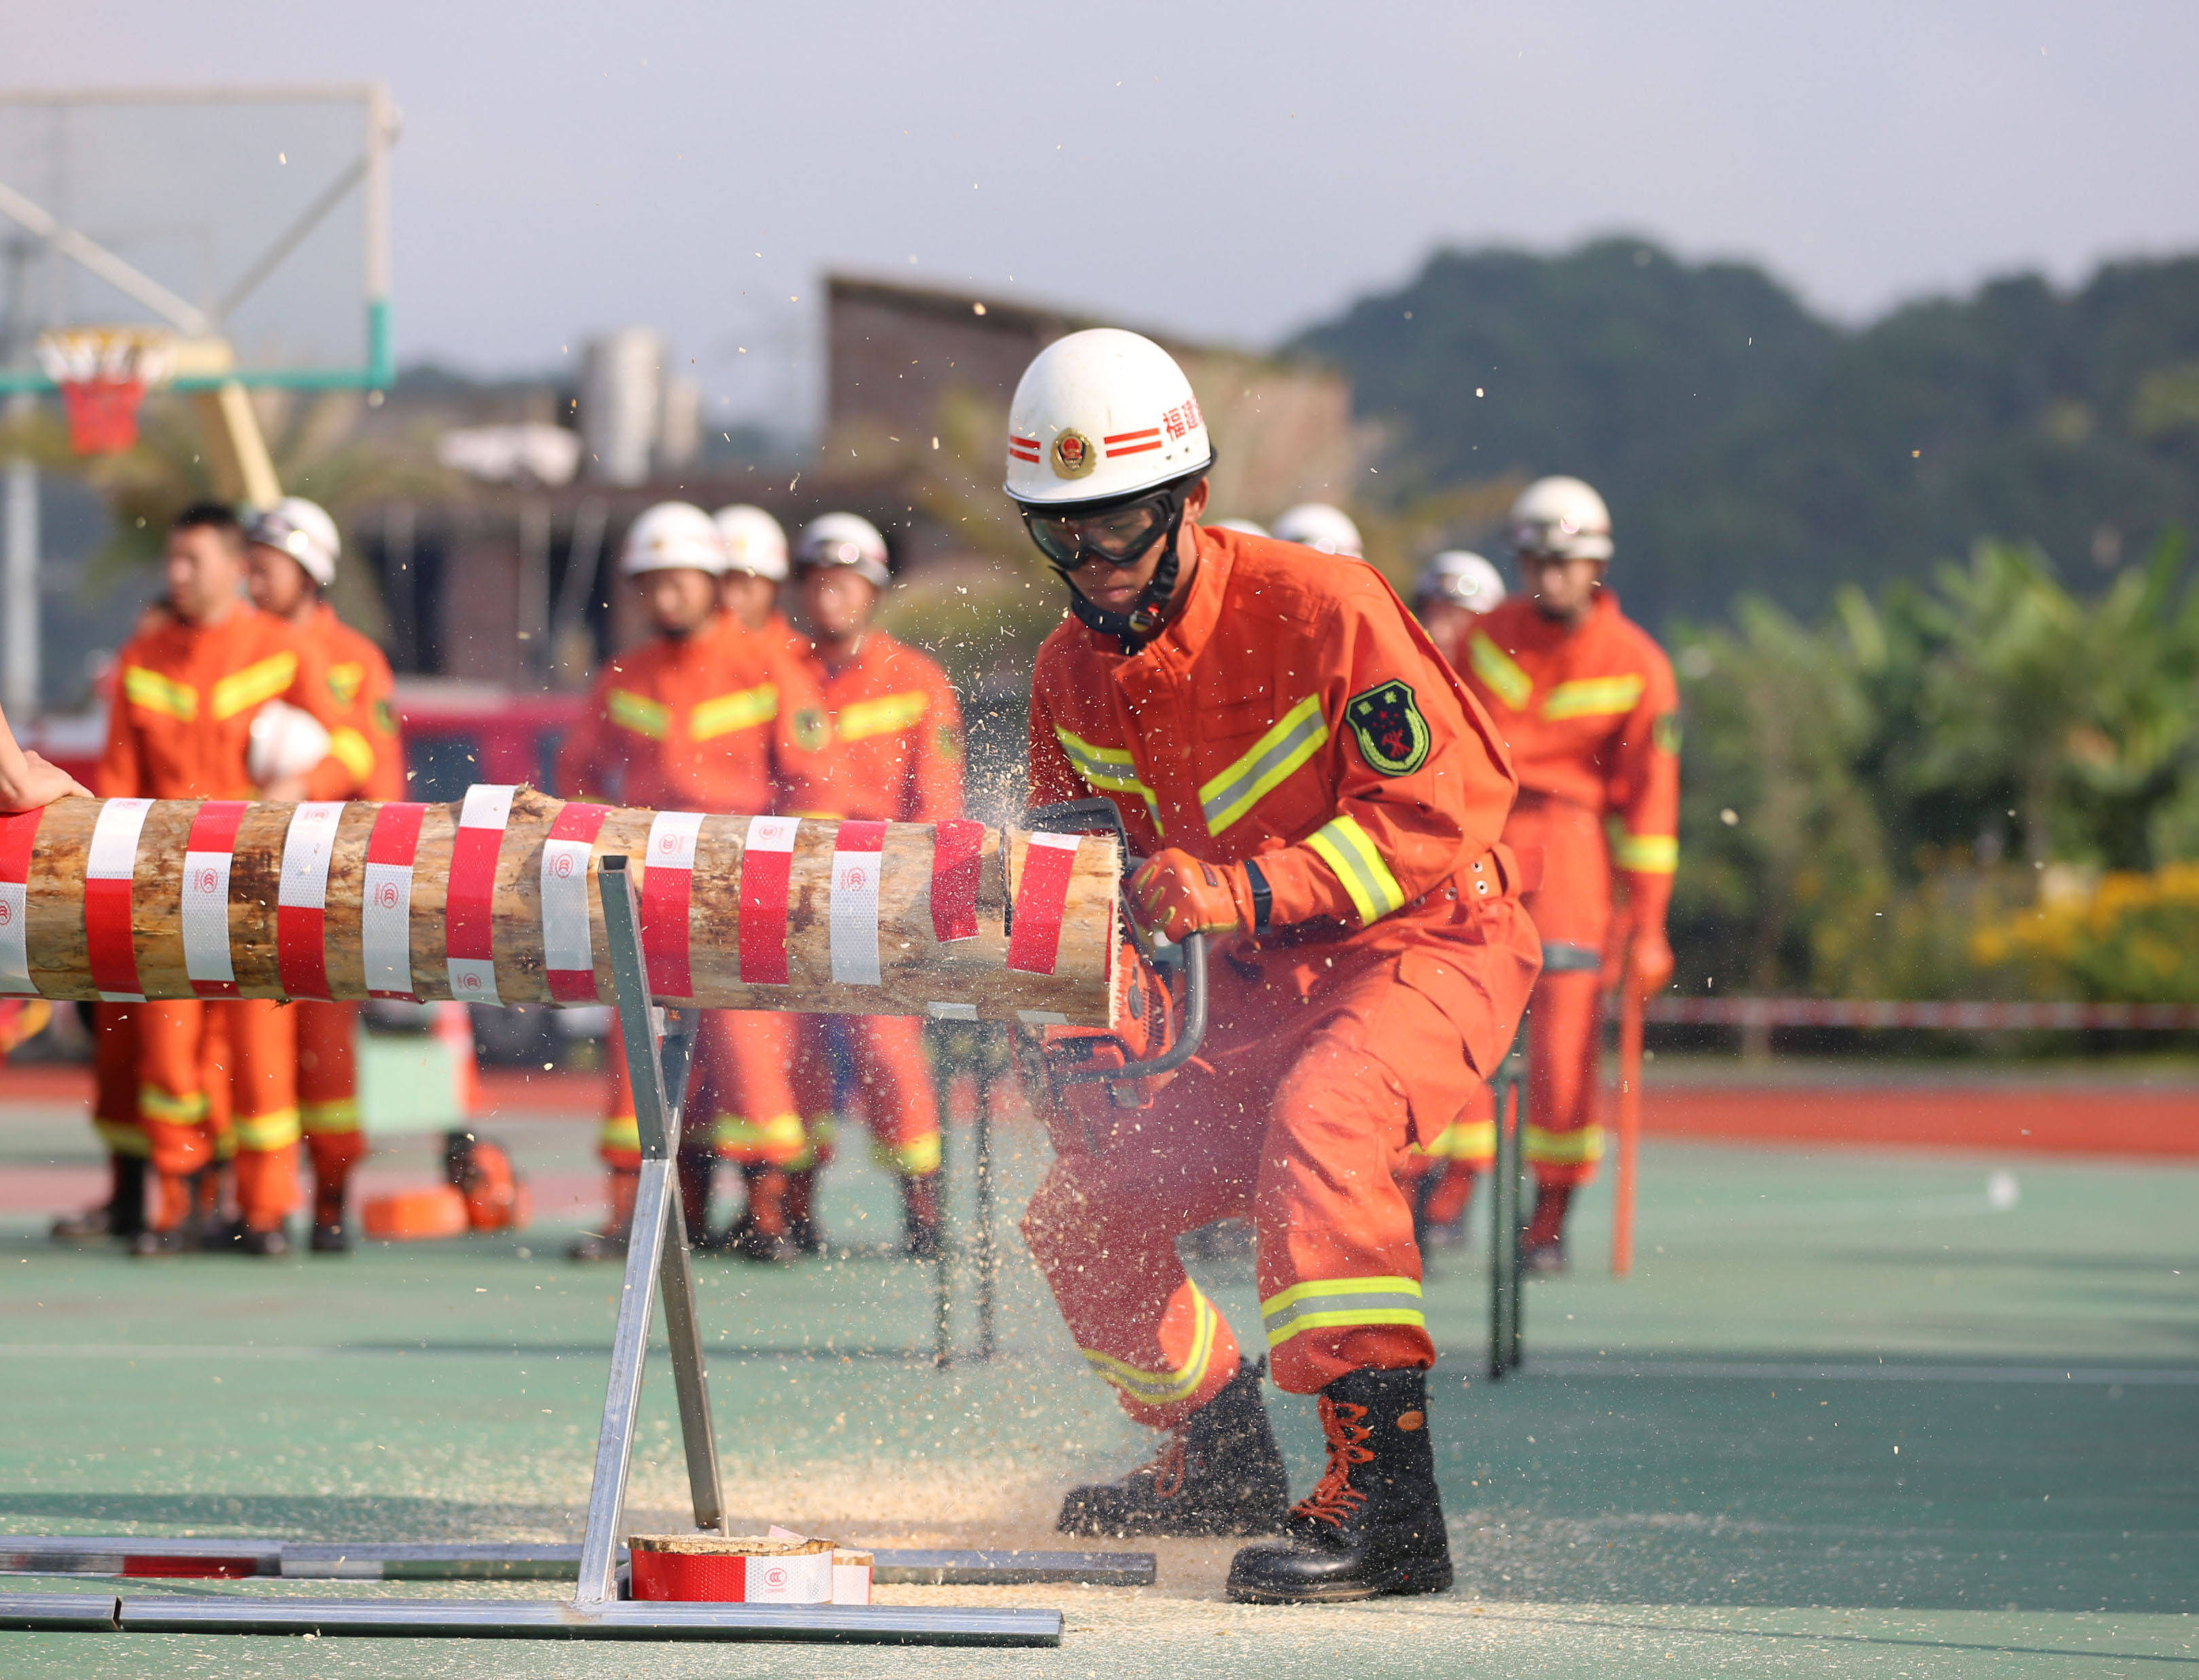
[[1173, 894], [1651, 967]]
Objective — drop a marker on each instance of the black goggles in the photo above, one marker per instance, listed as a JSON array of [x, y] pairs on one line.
[[1117, 536]]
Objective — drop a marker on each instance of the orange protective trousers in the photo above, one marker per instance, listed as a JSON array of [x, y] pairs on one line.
[[200, 1062], [328, 1098], [1313, 1082], [740, 1104], [892, 1078]]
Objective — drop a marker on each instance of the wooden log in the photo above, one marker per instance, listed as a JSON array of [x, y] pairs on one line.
[[493, 900]]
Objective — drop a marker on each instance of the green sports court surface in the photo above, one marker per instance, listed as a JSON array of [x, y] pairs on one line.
[[1856, 1414]]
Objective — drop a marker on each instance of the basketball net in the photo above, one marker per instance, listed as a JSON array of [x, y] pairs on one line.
[[104, 373]]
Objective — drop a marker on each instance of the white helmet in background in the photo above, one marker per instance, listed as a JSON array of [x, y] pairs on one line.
[[754, 542], [284, 742], [302, 530], [843, 539], [1250, 528], [1318, 525], [673, 535], [1102, 415], [1462, 578], [1561, 518]]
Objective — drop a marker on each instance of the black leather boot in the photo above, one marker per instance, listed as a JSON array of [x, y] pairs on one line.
[[1374, 1525], [1219, 1473]]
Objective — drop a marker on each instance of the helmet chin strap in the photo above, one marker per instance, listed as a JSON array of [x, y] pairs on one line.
[[1138, 626]]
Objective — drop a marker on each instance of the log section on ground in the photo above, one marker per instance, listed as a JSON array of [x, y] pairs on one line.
[[492, 900]]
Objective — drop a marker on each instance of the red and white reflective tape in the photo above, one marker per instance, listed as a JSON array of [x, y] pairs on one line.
[[385, 931], [858, 859], [1041, 897], [667, 888], [18, 833], [208, 851], [469, 943], [766, 866], [957, 849], [108, 939], [568, 951], [1961, 1016], [301, 899]]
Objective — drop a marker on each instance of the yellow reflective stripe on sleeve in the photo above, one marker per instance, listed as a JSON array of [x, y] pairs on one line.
[[886, 716], [1343, 845], [1296, 737], [621, 1131], [637, 712], [352, 749], [1593, 697], [321, 1118], [912, 1160], [1110, 769], [1466, 1140], [277, 1130], [730, 712], [1328, 1303], [1565, 1149], [1495, 667], [157, 693], [243, 690], [1649, 854], [1165, 1388], [345, 681], [155, 1104]]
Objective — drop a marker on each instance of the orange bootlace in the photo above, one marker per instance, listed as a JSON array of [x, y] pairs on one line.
[[1170, 1467], [1333, 1500]]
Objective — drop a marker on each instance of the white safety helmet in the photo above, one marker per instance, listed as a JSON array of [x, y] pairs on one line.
[[1561, 518], [673, 535], [843, 539], [1462, 578], [1250, 528], [1318, 525], [284, 742], [302, 530], [1101, 415], [754, 542]]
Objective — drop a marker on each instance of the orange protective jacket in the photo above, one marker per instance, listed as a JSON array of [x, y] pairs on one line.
[[1592, 715], [897, 733], [1291, 712], [360, 682], [723, 720], [184, 696]]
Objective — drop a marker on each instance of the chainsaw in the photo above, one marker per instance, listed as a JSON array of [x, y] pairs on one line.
[[1163, 1021]]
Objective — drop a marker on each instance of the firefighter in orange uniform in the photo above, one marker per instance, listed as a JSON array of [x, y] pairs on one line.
[[897, 735], [755, 567], [292, 554], [189, 689], [1588, 702], [706, 716], [1451, 593], [1314, 790]]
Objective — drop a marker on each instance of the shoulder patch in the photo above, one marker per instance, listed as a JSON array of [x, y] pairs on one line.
[[385, 717], [1666, 731], [1385, 720], [812, 733]]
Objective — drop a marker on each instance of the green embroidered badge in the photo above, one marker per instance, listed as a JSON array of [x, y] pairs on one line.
[[1385, 719]]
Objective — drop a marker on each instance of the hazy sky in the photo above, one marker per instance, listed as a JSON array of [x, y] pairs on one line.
[[1230, 171]]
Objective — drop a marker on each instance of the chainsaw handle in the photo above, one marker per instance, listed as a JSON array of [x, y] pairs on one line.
[[1193, 947]]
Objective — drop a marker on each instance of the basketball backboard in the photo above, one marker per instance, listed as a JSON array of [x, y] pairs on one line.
[[252, 223]]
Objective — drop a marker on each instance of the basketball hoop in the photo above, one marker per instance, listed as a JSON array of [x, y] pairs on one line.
[[104, 373]]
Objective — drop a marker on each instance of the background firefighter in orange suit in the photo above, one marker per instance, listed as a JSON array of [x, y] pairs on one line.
[[190, 689], [755, 567], [897, 741], [1587, 700], [1451, 593], [705, 716], [1318, 793], [293, 551]]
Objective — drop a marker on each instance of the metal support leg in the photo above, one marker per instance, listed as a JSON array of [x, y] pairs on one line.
[[942, 1276], [656, 1256], [1510, 1088], [988, 1258]]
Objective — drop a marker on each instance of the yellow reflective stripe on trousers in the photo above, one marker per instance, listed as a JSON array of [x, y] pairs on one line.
[[352, 752], [1565, 1149], [730, 712], [267, 1131], [638, 713], [157, 693], [253, 684], [1110, 769], [1165, 1388], [886, 716], [1495, 667], [155, 1104], [1649, 854], [1593, 697], [622, 1131], [777, 1138], [320, 1118], [1296, 737], [912, 1160], [124, 1137], [1343, 845], [1328, 1303]]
